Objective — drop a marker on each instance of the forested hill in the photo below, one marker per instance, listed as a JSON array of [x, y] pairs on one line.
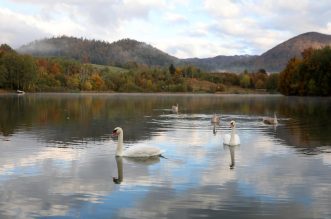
[[122, 53], [273, 60], [129, 53], [236, 63]]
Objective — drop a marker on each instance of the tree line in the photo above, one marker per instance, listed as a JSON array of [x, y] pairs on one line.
[[58, 74]]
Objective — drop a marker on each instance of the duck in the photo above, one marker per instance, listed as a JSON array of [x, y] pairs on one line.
[[270, 120], [215, 119], [134, 151], [174, 108], [233, 138]]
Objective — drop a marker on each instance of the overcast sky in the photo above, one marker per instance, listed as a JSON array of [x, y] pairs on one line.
[[183, 28]]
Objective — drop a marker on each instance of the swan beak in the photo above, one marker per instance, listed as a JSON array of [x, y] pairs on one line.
[[114, 133]]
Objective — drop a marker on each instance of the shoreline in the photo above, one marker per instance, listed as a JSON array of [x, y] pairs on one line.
[[2, 92], [251, 94], [242, 92]]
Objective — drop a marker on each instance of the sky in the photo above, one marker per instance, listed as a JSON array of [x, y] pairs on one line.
[[182, 28]]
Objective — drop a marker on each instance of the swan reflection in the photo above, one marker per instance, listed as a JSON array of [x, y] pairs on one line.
[[231, 149], [214, 127], [140, 160]]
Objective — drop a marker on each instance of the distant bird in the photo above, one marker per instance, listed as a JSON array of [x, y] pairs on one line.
[[135, 151], [174, 109], [215, 119], [270, 120], [232, 139]]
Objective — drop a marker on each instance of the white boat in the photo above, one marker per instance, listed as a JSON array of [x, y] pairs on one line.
[[20, 92]]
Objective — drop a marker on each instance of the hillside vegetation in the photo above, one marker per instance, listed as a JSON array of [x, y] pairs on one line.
[[309, 75], [62, 74], [122, 53]]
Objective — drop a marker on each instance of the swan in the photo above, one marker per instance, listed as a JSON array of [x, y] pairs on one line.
[[231, 139], [174, 109], [135, 151], [215, 119], [270, 120]]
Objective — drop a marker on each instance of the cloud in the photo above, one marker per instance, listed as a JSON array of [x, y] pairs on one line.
[[18, 29], [184, 28], [222, 8], [264, 24], [175, 18]]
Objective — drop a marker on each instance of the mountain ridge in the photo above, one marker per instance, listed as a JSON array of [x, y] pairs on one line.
[[129, 52], [277, 57]]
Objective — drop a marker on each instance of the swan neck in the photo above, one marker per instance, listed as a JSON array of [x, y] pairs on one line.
[[119, 149], [119, 163]]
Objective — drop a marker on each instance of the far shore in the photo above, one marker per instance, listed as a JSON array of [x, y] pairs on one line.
[[251, 93]]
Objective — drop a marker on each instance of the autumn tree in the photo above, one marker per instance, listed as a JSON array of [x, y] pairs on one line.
[[245, 81], [310, 75], [172, 69]]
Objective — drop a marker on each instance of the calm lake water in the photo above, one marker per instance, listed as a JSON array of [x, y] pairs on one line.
[[57, 157]]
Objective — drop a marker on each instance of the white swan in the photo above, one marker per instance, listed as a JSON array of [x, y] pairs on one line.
[[215, 119], [174, 109], [135, 151], [231, 139], [270, 120]]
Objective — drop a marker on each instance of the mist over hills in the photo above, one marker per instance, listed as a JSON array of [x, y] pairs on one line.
[[236, 63], [120, 53], [128, 52]]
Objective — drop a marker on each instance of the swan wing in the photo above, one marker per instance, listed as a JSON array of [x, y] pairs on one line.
[[236, 139], [226, 139], [142, 151]]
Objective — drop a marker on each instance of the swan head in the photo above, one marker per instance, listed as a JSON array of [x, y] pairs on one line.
[[232, 124], [117, 131]]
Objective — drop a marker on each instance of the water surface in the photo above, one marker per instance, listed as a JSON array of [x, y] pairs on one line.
[[58, 160]]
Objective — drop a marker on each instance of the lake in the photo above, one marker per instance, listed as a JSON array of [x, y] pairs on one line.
[[58, 159]]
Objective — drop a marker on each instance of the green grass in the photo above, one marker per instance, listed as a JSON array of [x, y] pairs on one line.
[[111, 68]]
